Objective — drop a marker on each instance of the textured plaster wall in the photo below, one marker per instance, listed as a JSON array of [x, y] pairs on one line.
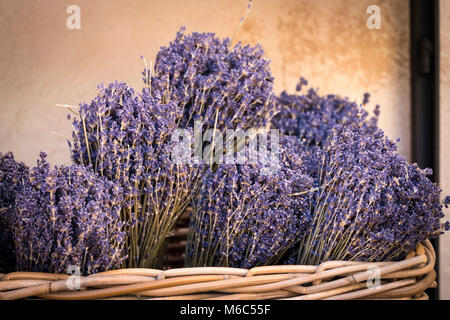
[[445, 139]]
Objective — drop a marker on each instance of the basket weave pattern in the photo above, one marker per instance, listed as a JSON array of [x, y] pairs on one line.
[[407, 279]]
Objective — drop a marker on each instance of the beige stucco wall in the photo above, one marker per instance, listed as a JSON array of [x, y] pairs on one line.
[[444, 174]]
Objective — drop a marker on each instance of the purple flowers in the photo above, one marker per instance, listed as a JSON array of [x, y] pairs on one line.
[[242, 218], [126, 138], [68, 216], [312, 117], [341, 190], [220, 86], [371, 205], [13, 175]]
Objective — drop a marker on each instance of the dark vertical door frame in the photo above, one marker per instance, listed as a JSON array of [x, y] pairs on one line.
[[424, 31]]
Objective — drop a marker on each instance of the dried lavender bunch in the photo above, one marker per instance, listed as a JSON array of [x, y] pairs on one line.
[[13, 175], [243, 218], [313, 117], [371, 205], [126, 137], [220, 86], [68, 216]]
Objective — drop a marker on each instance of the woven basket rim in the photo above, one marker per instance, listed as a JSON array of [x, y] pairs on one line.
[[408, 278]]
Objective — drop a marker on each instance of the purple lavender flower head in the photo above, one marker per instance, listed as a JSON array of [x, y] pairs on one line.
[[212, 82], [243, 218], [13, 175], [68, 216]]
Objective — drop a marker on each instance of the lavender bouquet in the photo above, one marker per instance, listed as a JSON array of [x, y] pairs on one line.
[[243, 218], [68, 216], [126, 138], [370, 204]]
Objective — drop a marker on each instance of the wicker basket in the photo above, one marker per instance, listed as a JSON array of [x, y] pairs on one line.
[[407, 279]]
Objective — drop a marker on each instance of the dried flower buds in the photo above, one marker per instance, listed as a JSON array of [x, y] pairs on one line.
[[65, 217]]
